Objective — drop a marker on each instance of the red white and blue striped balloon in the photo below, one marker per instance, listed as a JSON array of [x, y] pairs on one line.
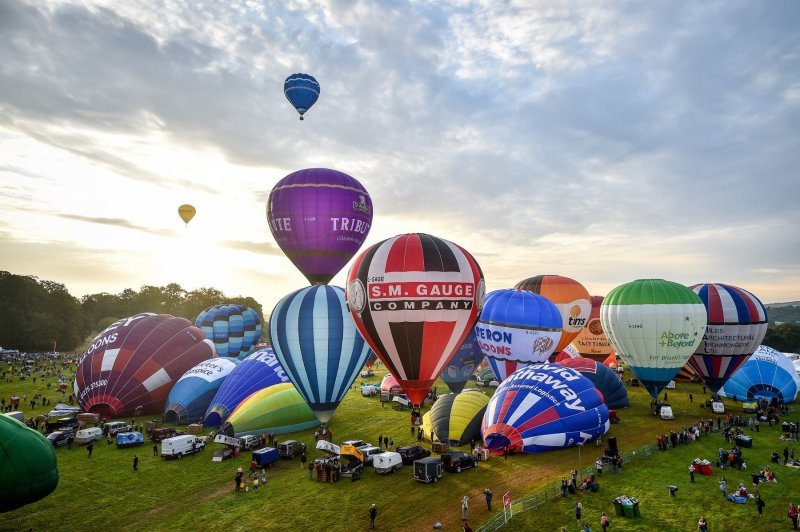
[[503, 368], [737, 323], [543, 407], [318, 346]]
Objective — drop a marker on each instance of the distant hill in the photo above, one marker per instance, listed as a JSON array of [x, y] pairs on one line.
[[783, 312]]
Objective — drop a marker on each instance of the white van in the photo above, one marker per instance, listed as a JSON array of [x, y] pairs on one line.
[[249, 442], [89, 435], [178, 446], [387, 462]]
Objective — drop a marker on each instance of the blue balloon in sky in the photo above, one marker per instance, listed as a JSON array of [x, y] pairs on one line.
[[190, 396], [302, 92], [463, 364], [318, 345], [767, 374], [542, 407], [234, 329], [257, 371]]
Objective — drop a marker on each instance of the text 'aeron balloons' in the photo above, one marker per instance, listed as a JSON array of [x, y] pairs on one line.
[[570, 298], [415, 298], [129, 368], [518, 326], [302, 91], [28, 468], [655, 326], [737, 323], [318, 346], [234, 329], [319, 218], [543, 407]]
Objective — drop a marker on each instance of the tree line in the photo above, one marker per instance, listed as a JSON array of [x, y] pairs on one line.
[[36, 313]]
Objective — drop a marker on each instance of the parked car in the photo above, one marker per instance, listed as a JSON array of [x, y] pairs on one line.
[[162, 433], [59, 438], [249, 442], [178, 446], [113, 427], [458, 461], [369, 452], [387, 462], [402, 400], [428, 469], [409, 453], [89, 435], [291, 448], [358, 444]]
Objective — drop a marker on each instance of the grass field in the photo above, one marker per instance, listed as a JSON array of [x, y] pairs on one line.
[[194, 493]]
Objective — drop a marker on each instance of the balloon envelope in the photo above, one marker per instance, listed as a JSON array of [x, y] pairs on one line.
[[129, 368], [543, 407], [503, 368], [767, 374], [414, 298], [592, 341], [186, 212], [276, 409], [463, 364], [28, 468], [456, 418], [302, 91], [568, 353], [737, 323], [234, 329], [188, 400], [254, 373], [371, 358], [318, 346], [654, 326], [319, 218], [570, 298], [518, 326], [604, 378]]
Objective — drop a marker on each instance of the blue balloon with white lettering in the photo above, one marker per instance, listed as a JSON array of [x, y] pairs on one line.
[[767, 374], [604, 378], [254, 373], [302, 91], [189, 398], [543, 407], [317, 343], [463, 364]]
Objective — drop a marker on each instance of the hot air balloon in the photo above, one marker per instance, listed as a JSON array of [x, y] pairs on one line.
[[257, 371], [503, 368], [276, 409], [518, 326], [28, 468], [302, 92], [568, 353], [318, 346], [604, 378], [189, 398], [592, 341], [319, 218], [390, 384], [463, 364], [767, 374], [186, 212], [611, 361], [129, 368], [687, 374], [542, 407], [456, 418], [655, 326], [570, 298], [415, 298], [371, 358], [737, 323], [234, 329]]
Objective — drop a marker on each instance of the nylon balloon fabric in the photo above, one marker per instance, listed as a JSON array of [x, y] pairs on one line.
[[189, 398], [234, 329], [767, 374], [302, 91], [28, 466]]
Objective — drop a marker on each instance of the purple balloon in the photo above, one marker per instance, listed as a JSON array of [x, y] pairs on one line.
[[319, 218]]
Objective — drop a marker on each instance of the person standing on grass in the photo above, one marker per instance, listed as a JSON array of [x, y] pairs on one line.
[[604, 522], [90, 448], [691, 473], [487, 493], [702, 524], [136, 462], [464, 508], [155, 449], [578, 512], [760, 505], [373, 513], [793, 515]]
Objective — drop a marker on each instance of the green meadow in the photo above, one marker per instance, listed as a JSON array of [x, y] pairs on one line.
[[103, 492]]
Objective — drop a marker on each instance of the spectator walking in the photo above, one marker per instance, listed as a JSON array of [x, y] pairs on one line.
[[760, 505], [578, 512], [487, 493], [136, 462], [464, 508], [691, 473], [373, 513], [90, 448], [793, 515]]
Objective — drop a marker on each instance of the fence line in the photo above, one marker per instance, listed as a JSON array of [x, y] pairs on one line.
[[553, 491]]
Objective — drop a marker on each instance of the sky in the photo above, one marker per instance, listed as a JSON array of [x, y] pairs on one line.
[[605, 141]]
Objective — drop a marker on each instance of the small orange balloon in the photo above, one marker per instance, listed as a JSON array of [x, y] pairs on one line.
[[186, 212]]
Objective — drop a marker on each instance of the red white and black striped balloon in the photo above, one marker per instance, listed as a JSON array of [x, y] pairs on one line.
[[415, 298]]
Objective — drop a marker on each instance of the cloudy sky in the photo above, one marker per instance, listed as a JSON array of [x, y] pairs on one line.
[[601, 140]]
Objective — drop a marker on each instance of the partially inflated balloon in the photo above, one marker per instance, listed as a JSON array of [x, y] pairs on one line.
[[767, 374], [186, 212], [568, 353], [302, 91], [130, 367], [390, 384], [189, 398], [415, 298], [604, 378], [371, 358], [503, 368], [518, 326], [655, 326], [737, 323], [318, 346], [570, 298], [276, 409], [456, 418], [234, 329], [28, 469], [463, 364], [592, 341], [319, 218]]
